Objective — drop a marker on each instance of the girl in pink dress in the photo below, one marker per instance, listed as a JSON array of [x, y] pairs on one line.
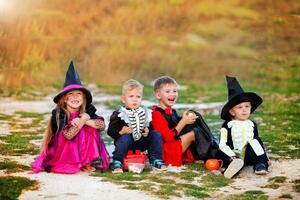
[[72, 141]]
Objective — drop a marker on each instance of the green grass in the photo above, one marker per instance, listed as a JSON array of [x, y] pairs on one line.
[[18, 142], [113, 104], [286, 196], [146, 186], [4, 116], [27, 121], [162, 180], [27, 94], [214, 181], [131, 187], [214, 123], [188, 176], [107, 139], [167, 191], [12, 167], [193, 190], [119, 177], [196, 166], [30, 114], [297, 185], [18, 145], [281, 132], [111, 89], [148, 92], [12, 186], [250, 195], [275, 182], [277, 179], [196, 193], [169, 184], [280, 125]]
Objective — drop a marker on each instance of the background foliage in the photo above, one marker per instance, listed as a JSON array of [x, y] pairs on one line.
[[110, 41]]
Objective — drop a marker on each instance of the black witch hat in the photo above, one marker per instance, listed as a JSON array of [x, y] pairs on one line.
[[72, 82], [237, 95]]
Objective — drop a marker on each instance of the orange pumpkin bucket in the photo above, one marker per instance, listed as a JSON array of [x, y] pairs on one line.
[[213, 164]]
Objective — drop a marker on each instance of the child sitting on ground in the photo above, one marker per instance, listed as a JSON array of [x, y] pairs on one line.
[[239, 139], [183, 137], [129, 128], [72, 141]]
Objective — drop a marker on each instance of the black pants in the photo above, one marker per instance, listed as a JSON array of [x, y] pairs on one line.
[[250, 158]]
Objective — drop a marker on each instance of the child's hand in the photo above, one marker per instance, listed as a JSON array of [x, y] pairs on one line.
[[75, 122], [189, 117], [85, 117], [125, 130], [80, 121], [145, 132]]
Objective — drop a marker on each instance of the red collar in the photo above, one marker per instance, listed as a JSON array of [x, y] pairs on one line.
[[167, 110]]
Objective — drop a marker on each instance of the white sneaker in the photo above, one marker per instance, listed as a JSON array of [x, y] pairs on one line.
[[234, 167]]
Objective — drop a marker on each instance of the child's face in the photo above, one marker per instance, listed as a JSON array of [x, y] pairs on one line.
[[241, 111], [167, 95], [74, 100], [132, 98]]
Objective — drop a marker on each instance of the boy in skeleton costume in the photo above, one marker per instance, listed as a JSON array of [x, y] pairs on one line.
[[129, 128], [240, 143]]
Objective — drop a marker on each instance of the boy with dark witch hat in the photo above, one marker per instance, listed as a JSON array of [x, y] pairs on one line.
[[240, 143]]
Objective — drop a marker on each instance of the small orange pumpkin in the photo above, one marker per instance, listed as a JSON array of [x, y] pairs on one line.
[[213, 164]]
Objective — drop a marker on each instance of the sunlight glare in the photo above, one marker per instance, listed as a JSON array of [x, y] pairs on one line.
[[5, 5]]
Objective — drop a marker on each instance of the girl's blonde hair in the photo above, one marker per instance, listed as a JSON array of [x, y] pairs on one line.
[[132, 84], [61, 105]]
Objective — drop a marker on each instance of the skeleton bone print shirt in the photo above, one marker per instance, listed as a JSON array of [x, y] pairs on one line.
[[137, 119]]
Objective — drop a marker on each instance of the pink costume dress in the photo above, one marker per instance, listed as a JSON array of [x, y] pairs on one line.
[[68, 156]]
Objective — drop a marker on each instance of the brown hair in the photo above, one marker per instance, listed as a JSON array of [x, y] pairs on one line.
[[163, 80]]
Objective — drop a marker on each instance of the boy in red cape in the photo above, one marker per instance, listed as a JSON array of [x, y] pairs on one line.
[[182, 136]]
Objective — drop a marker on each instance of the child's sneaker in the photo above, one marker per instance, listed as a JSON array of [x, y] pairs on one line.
[[159, 165], [117, 167], [260, 169], [234, 167]]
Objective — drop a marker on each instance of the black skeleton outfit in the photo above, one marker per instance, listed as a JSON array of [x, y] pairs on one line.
[[137, 119]]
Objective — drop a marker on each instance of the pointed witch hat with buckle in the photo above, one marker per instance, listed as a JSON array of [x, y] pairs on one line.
[[72, 82], [237, 95]]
